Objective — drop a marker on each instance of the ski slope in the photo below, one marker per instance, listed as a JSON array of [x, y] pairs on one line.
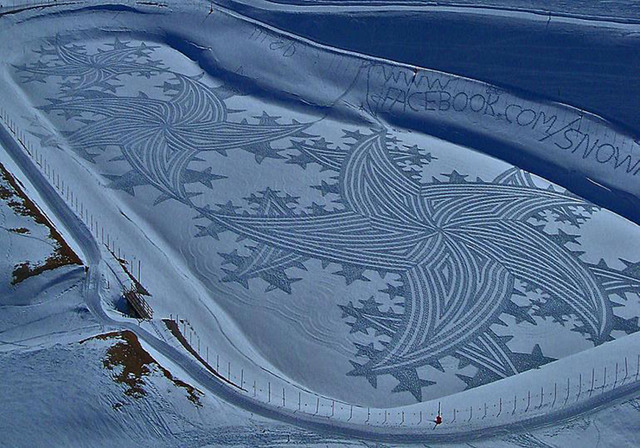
[[352, 242]]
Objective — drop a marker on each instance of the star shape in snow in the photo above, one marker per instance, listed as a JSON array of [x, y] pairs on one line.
[[351, 273], [409, 381]]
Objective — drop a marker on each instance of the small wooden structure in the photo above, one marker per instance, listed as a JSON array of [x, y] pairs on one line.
[[139, 305]]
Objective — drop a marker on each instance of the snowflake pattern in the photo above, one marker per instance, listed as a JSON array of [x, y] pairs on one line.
[[465, 254]]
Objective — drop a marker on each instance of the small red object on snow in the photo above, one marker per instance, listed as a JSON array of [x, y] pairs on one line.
[[438, 420]]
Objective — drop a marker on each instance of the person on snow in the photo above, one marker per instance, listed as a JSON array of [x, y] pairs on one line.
[[438, 419]]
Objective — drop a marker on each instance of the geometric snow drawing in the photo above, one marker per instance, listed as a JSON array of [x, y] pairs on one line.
[[464, 250]]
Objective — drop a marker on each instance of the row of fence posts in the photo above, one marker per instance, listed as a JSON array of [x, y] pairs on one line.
[[252, 388], [99, 231], [552, 398], [8, 4], [466, 415]]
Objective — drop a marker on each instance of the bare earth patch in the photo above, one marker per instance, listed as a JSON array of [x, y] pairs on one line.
[[131, 364], [62, 254]]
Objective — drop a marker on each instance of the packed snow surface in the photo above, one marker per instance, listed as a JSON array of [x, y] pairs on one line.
[[337, 240]]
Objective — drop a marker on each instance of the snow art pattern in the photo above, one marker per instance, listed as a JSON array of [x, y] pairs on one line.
[[464, 250]]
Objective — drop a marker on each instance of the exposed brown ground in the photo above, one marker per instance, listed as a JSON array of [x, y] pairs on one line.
[[175, 330], [137, 364], [127, 269], [62, 254]]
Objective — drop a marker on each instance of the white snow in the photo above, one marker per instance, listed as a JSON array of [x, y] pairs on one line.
[[283, 339]]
